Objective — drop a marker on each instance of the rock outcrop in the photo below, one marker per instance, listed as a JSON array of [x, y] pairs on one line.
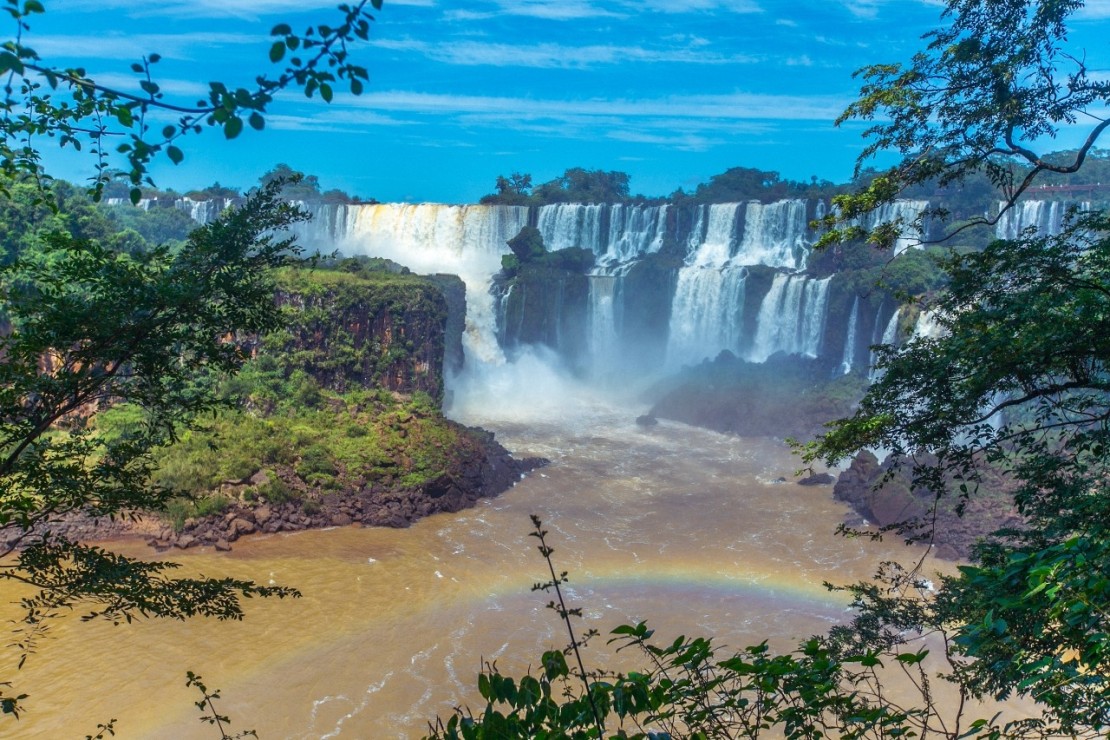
[[915, 512], [483, 469]]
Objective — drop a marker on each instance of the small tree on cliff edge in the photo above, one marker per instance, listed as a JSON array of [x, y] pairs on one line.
[[85, 324]]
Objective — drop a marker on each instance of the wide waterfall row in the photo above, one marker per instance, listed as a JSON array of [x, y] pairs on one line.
[[201, 211], [670, 286], [614, 233], [1046, 217]]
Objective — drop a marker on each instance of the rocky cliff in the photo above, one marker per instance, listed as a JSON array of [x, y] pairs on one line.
[[370, 330], [334, 420]]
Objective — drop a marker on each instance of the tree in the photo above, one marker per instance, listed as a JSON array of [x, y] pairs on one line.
[[739, 184], [76, 111], [996, 84], [511, 191], [91, 320], [1018, 379], [1017, 383], [577, 185]]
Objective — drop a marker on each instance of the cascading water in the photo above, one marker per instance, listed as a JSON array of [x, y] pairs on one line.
[[1045, 217], [707, 313], [890, 333], [850, 342], [775, 234], [907, 214], [566, 225], [703, 304], [634, 231], [707, 310], [201, 211], [791, 318], [464, 240]]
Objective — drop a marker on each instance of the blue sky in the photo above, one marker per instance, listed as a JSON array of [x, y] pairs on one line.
[[670, 91]]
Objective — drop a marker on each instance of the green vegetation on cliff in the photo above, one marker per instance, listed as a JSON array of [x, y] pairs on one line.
[[342, 398]]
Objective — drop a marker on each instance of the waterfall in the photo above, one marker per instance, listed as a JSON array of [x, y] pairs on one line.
[[709, 296], [926, 326], [201, 211], [465, 240], [774, 234], [890, 333], [907, 213], [1046, 217], [634, 231], [623, 328], [850, 343], [572, 225], [603, 318], [706, 314], [791, 318]]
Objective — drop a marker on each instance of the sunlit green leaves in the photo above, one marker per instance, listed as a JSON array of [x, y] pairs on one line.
[[29, 113]]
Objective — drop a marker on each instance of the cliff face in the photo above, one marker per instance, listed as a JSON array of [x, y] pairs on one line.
[[336, 420], [544, 305], [350, 332]]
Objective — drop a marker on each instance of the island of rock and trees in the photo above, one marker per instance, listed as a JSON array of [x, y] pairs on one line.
[[174, 369]]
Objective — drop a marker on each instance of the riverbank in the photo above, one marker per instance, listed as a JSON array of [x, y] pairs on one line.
[[279, 500]]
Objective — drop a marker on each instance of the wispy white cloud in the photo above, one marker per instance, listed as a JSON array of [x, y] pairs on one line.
[[1094, 10], [245, 9], [578, 9], [557, 56], [561, 10], [696, 6], [333, 121], [242, 9], [133, 46], [735, 106]]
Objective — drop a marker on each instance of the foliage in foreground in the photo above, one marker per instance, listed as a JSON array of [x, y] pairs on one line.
[[690, 688], [1019, 379], [91, 318]]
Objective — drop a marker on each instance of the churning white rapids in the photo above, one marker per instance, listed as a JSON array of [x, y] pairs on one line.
[[685, 528]]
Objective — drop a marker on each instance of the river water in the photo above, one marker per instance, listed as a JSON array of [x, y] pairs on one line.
[[685, 528]]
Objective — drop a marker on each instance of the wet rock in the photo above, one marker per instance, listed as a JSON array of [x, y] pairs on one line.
[[817, 479]]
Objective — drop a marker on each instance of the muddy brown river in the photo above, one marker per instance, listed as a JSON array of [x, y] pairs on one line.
[[685, 528]]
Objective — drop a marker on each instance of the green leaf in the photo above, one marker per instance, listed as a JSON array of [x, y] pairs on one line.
[[281, 29], [174, 154], [257, 122], [277, 51], [233, 127], [136, 195]]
